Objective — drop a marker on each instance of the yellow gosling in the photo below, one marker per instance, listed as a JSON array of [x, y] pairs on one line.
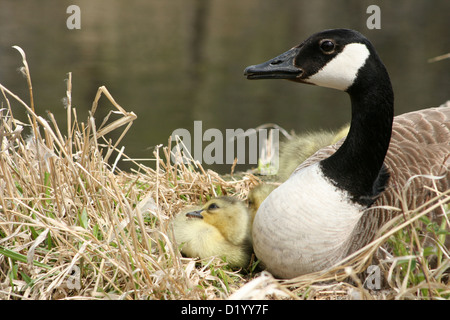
[[296, 150], [220, 228], [257, 195]]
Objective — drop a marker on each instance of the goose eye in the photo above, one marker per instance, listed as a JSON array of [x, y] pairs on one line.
[[213, 206], [327, 46]]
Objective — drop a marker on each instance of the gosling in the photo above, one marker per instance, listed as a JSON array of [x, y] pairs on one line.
[[257, 195], [300, 147], [222, 227], [294, 152]]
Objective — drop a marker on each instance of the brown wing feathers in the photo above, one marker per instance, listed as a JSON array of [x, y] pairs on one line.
[[420, 146]]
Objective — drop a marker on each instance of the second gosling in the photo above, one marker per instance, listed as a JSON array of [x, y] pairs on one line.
[[257, 195], [293, 152], [222, 227]]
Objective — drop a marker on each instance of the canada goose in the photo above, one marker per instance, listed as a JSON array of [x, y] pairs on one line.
[[320, 214], [220, 228], [301, 146]]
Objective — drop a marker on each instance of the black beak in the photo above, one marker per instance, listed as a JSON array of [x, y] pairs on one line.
[[195, 214], [281, 67]]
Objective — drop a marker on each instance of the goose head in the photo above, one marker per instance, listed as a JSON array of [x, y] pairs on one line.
[[330, 58], [306, 224]]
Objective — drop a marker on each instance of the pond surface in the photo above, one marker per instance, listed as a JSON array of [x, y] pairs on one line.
[[177, 61]]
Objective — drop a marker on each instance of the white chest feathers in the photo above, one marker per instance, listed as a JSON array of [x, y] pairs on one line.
[[340, 72], [304, 225]]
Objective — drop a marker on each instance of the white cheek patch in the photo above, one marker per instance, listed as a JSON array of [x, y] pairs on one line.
[[341, 71]]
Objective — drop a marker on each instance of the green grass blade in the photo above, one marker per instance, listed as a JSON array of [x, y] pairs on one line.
[[20, 257]]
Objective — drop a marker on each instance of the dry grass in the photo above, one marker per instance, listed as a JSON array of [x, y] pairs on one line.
[[73, 226]]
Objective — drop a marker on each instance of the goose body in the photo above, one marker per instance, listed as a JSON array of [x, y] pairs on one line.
[[323, 212], [220, 228]]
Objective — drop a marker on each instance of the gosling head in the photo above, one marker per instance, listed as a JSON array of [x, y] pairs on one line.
[[229, 215], [257, 195]]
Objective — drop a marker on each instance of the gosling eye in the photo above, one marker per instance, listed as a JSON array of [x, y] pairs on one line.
[[213, 206], [327, 46]]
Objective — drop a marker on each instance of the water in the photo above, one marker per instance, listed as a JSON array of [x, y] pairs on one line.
[[176, 61]]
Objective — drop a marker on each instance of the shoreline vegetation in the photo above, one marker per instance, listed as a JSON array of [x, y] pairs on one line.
[[74, 226]]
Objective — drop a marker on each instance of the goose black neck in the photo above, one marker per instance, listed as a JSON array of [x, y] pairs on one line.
[[358, 165]]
